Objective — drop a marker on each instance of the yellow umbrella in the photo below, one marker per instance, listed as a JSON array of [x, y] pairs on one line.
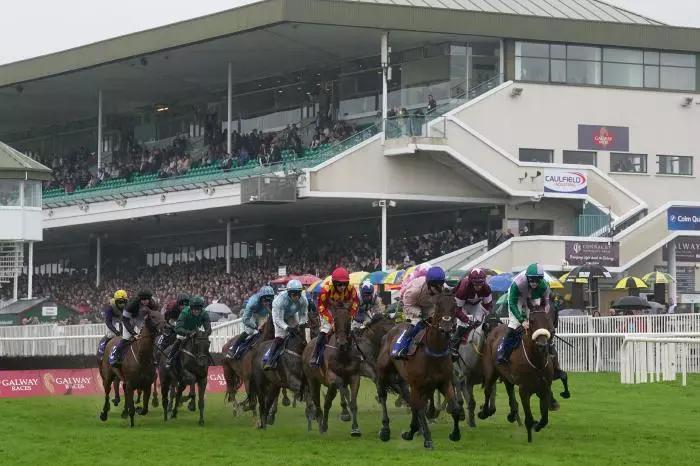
[[552, 281], [578, 280], [630, 283], [654, 278], [393, 277], [408, 272], [358, 277]]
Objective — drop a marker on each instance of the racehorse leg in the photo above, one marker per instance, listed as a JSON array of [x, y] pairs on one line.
[[344, 413], [453, 408], [285, 398], [107, 386], [564, 377], [514, 414], [471, 402], [529, 421], [192, 405], [385, 432], [146, 399], [354, 389], [129, 404], [154, 392], [544, 409], [201, 387], [488, 409], [178, 399], [315, 391], [138, 396], [270, 400], [272, 411], [117, 399], [418, 406], [431, 413], [164, 388], [331, 392]]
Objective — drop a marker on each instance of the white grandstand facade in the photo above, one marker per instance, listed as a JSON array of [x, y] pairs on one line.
[[570, 126]]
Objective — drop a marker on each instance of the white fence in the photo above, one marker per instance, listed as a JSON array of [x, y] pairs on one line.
[[653, 359]]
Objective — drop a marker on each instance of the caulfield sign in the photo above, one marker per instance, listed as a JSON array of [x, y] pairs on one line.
[[565, 181], [592, 252]]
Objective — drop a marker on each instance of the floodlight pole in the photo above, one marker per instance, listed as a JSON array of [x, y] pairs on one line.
[[228, 244], [98, 265], [99, 129], [385, 77], [229, 107], [30, 270], [672, 269]]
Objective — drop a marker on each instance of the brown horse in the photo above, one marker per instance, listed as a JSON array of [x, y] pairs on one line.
[[340, 368], [429, 369], [530, 368], [240, 371], [137, 371]]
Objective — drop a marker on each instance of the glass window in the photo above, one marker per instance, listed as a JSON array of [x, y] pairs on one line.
[[675, 165], [580, 157], [557, 51], [621, 74], [532, 69], [558, 72], [628, 163], [677, 78], [531, 49], [678, 59], [536, 155], [583, 72], [651, 76], [580, 52], [32, 194], [622, 55], [9, 193], [651, 58]]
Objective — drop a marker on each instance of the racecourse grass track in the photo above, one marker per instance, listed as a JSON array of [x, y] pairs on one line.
[[603, 423]]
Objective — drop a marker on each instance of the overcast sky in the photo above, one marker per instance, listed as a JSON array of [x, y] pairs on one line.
[[36, 27]]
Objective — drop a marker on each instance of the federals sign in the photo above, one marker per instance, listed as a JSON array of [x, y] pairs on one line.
[[598, 137], [683, 218], [592, 252], [565, 181]]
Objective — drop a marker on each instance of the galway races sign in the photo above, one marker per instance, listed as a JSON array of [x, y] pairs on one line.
[[565, 181]]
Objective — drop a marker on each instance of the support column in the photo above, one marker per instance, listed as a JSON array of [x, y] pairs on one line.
[[672, 270], [99, 129], [385, 77], [229, 105], [228, 247], [98, 266], [30, 270], [384, 206]]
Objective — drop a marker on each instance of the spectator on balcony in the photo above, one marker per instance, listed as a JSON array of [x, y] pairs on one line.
[[432, 105]]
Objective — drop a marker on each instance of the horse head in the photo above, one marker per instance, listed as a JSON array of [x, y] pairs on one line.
[[153, 320], [541, 328], [444, 317], [341, 326], [490, 323], [200, 346]]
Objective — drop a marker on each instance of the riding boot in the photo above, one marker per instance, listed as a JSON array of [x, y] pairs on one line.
[[101, 347], [173, 353], [508, 344], [555, 360], [456, 340], [115, 357], [318, 350], [270, 357], [401, 347], [235, 345]]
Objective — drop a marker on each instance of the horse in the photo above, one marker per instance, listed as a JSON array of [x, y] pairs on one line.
[[429, 369], [530, 368], [468, 367], [559, 374], [194, 367], [340, 368], [288, 373], [137, 370], [239, 371], [166, 339]]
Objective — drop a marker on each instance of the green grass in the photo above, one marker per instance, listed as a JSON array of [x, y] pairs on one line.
[[603, 423]]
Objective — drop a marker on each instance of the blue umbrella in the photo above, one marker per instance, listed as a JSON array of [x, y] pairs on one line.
[[377, 278], [500, 283]]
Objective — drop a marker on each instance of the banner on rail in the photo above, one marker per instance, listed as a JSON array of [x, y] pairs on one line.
[[50, 382]]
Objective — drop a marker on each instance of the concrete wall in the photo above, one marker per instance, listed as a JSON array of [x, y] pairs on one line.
[[546, 117], [562, 213]]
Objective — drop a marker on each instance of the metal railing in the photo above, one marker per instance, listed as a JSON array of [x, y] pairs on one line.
[[593, 225]]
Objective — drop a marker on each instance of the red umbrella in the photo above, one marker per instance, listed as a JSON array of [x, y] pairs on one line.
[[305, 280], [281, 280]]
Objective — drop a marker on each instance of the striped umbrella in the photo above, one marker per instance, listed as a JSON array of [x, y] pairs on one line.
[[394, 277], [565, 278], [630, 283], [358, 277], [377, 278], [408, 272], [654, 278], [552, 281], [588, 271]]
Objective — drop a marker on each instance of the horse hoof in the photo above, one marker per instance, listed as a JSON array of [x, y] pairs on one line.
[[345, 417], [355, 433], [201, 423], [455, 436], [471, 422], [407, 436], [512, 417], [125, 415], [384, 435], [191, 407], [428, 444], [462, 415], [286, 402], [115, 402], [103, 417], [539, 426], [565, 395], [141, 411], [554, 406], [271, 420], [398, 403]]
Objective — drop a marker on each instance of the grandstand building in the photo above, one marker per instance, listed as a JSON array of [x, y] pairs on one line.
[[564, 131]]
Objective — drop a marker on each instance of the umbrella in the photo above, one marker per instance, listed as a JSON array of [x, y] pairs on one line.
[[502, 300], [552, 281], [454, 276], [565, 278], [218, 308], [306, 279], [630, 283], [500, 283], [394, 277], [491, 272], [377, 278], [358, 277], [631, 302], [214, 317], [588, 271], [409, 271], [571, 312], [281, 280], [657, 278]]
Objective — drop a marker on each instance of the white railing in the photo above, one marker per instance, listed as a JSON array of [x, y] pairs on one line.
[[645, 359]]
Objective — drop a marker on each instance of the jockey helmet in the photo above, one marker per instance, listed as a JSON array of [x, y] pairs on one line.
[[183, 299], [340, 276], [477, 277], [145, 294], [197, 302], [534, 274], [367, 288], [266, 292], [294, 285], [435, 276], [120, 295]]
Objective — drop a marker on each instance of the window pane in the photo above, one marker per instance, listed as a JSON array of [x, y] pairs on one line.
[[675, 165], [628, 163], [558, 74], [532, 69], [9, 192], [32, 194], [678, 78], [580, 157], [536, 155], [651, 58], [651, 76], [620, 74], [678, 59], [582, 72], [579, 52], [531, 49], [622, 55], [557, 51]]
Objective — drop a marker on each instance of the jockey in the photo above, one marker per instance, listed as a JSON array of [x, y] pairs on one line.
[[474, 301], [529, 284], [171, 315], [289, 310], [190, 319], [257, 309], [370, 305], [420, 299], [131, 318], [339, 292], [113, 317]]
